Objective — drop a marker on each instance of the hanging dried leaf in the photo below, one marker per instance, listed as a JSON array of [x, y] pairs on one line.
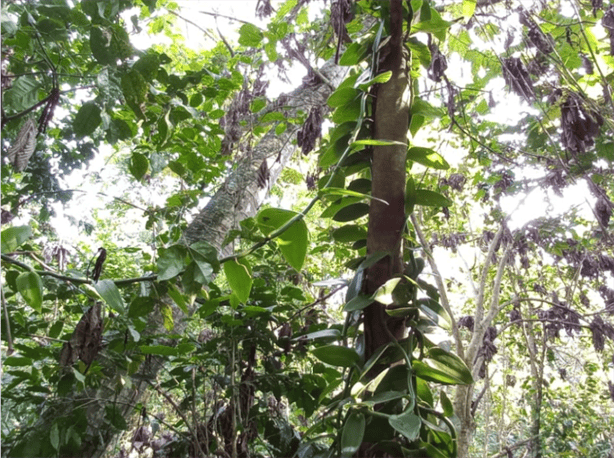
[[608, 23], [603, 210], [311, 131], [580, 125], [263, 175], [540, 40], [438, 65], [517, 78], [19, 154], [86, 339]]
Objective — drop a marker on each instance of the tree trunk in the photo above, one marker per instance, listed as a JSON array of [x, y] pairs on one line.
[[238, 198], [387, 209]]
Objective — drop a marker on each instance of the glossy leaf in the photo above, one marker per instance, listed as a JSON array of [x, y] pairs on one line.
[[238, 274], [250, 35], [431, 199], [139, 165], [407, 423], [352, 434], [13, 237], [171, 262], [443, 367], [349, 233], [427, 157], [293, 241], [351, 212], [87, 120], [358, 303], [336, 355], [110, 293], [30, 286]]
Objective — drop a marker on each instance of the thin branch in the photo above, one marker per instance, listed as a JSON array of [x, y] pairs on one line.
[[74, 280], [445, 302], [9, 339]]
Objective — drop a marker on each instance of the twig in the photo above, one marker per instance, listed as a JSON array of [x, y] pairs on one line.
[[8, 325]]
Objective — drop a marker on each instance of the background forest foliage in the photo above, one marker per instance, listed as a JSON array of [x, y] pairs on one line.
[[205, 293]]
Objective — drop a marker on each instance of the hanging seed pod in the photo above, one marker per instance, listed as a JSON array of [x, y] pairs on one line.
[[517, 78], [19, 154]]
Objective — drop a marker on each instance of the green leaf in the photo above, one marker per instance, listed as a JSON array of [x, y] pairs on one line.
[[358, 303], [427, 157], [110, 293], [139, 164], [323, 334], [351, 212], [162, 350], [30, 286], [167, 316], [431, 199], [349, 233], [100, 44], [336, 355], [178, 298], [13, 237], [116, 417], [342, 96], [293, 241], [373, 142], [250, 35], [443, 367], [446, 404], [407, 423], [171, 261], [238, 274], [54, 436], [352, 434], [354, 53], [17, 361], [141, 306], [379, 79], [468, 9], [87, 120], [384, 294]]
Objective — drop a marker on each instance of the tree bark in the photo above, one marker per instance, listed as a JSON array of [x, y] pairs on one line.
[[387, 209], [238, 198]]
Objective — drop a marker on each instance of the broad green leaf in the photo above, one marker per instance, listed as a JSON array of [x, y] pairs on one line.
[[100, 44], [352, 434], [349, 233], [342, 96], [13, 237], [379, 79], [250, 35], [293, 241], [171, 261], [351, 212], [407, 423], [167, 316], [427, 157], [336, 355], [54, 436], [141, 306], [336, 192], [351, 111], [115, 416], [384, 294], [431, 199], [358, 303], [443, 367], [468, 9], [17, 361], [139, 164], [110, 293], [87, 120], [238, 274], [446, 404], [30, 286], [178, 298], [410, 196], [354, 53], [423, 391]]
